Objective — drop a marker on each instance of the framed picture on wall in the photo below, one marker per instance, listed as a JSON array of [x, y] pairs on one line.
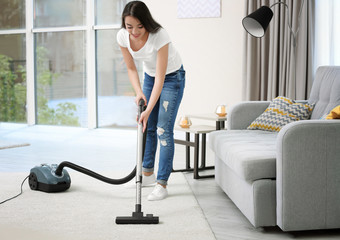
[[198, 8]]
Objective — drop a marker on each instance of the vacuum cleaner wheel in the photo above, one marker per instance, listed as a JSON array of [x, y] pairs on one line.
[[33, 181]]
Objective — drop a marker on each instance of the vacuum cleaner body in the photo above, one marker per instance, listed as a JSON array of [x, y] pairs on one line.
[[43, 178]]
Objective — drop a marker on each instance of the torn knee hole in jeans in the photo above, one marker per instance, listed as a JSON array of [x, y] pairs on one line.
[[164, 143], [160, 132], [165, 105]]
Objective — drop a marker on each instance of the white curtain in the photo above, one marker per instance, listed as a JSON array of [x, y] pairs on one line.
[[327, 33]]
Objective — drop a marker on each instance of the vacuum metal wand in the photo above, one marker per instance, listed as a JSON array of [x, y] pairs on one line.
[[139, 163], [137, 216]]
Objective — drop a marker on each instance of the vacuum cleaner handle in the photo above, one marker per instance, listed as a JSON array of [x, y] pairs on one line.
[[141, 107]]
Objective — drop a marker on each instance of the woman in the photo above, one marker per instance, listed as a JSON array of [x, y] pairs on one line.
[[142, 38]]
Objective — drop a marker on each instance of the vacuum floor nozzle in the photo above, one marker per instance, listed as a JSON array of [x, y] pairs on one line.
[[138, 218]]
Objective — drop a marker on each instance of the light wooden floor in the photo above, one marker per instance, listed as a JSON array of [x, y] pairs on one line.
[[103, 149]]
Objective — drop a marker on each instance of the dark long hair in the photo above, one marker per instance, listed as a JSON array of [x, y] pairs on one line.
[[140, 11]]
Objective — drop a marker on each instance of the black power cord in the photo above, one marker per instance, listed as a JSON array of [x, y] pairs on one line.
[[18, 194]]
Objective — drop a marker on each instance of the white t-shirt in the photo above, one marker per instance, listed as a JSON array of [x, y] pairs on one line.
[[148, 53]]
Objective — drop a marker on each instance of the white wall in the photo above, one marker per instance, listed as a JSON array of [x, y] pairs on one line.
[[211, 49]]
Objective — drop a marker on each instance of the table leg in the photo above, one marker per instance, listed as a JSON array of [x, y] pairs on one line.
[[196, 146], [218, 126], [187, 144], [222, 125], [196, 153], [203, 153], [203, 158], [187, 151]]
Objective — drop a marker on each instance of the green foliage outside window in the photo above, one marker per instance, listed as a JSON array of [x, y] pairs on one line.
[[64, 114], [13, 94]]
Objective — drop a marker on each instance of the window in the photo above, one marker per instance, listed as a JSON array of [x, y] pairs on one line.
[[12, 14], [60, 50], [60, 78], [115, 95], [61, 13], [109, 12], [63, 66], [327, 35], [12, 62], [12, 78]]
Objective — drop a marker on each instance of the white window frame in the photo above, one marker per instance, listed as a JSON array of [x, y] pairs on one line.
[[30, 95]]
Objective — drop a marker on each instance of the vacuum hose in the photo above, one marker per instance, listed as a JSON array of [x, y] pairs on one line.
[[141, 108], [94, 174]]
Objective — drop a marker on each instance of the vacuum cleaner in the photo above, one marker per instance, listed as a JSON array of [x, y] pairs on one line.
[[54, 178]]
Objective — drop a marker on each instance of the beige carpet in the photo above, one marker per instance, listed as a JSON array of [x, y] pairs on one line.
[[6, 144], [89, 208]]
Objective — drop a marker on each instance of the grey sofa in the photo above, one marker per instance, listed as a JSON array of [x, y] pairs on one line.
[[291, 178]]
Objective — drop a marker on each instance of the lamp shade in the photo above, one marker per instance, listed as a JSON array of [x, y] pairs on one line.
[[257, 22]]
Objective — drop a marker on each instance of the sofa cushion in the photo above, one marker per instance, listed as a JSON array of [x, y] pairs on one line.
[[281, 111], [250, 153]]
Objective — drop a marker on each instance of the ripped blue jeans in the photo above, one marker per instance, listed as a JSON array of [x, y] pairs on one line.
[[161, 123]]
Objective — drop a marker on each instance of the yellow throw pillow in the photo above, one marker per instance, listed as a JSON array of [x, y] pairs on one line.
[[334, 114]]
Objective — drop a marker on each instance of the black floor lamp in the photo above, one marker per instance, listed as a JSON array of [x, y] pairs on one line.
[[257, 22]]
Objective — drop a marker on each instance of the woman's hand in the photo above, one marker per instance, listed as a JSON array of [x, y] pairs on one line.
[[144, 118], [140, 96]]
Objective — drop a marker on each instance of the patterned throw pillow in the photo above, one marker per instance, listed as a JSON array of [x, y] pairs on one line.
[[280, 112]]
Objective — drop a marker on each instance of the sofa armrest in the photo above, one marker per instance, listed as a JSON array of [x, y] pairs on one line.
[[308, 175], [242, 114]]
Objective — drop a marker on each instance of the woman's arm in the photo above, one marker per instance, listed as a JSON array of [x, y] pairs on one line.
[[161, 66], [133, 74]]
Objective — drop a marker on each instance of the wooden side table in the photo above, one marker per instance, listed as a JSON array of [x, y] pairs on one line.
[[197, 130]]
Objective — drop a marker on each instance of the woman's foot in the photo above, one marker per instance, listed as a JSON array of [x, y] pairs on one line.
[[148, 180], [159, 192]]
